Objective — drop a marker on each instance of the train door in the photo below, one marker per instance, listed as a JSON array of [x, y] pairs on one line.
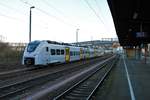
[[95, 52], [81, 53], [43, 56], [46, 55], [88, 53], [67, 56]]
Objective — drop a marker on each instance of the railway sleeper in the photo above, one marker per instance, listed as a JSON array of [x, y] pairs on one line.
[[78, 94], [85, 93], [70, 97], [85, 85], [84, 88]]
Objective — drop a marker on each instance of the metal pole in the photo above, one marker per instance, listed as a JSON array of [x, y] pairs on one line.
[[30, 23], [77, 35], [145, 52]]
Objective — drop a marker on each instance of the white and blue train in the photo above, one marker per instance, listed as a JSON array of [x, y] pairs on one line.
[[48, 52]]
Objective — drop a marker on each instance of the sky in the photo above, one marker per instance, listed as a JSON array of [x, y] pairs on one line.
[[56, 20]]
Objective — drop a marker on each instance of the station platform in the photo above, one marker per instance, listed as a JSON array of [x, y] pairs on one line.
[[129, 80]]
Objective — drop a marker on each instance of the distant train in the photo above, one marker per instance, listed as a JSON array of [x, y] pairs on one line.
[[48, 52]]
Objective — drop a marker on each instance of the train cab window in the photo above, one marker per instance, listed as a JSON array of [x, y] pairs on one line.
[[52, 51], [32, 46], [62, 52], [58, 52], [46, 49]]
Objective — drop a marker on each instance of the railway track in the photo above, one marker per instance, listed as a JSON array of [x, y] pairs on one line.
[[18, 87], [84, 89], [32, 69], [15, 71]]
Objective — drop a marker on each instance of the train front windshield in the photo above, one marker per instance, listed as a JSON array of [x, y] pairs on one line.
[[32, 46]]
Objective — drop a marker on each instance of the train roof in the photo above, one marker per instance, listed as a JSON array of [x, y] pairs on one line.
[[58, 43], [66, 44]]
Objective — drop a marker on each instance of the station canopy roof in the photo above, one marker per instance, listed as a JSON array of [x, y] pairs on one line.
[[132, 21]]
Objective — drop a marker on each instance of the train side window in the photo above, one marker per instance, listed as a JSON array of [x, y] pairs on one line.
[[62, 52], [58, 52], [74, 53], [71, 53], [46, 49], [52, 51], [77, 53]]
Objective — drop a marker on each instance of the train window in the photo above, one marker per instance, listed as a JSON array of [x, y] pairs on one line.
[[52, 51], [78, 53], [58, 52], [46, 49], [32, 46], [71, 53], [74, 53], [62, 52]]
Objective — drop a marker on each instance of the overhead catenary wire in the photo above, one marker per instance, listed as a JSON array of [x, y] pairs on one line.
[[99, 9], [48, 14], [53, 7], [97, 15], [11, 8], [59, 12], [5, 14], [55, 17], [10, 17]]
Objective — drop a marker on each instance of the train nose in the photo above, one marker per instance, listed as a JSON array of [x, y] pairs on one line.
[[29, 61]]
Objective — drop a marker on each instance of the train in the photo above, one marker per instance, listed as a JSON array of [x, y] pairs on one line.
[[45, 52]]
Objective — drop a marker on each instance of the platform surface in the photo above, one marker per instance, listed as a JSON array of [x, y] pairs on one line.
[[129, 80]]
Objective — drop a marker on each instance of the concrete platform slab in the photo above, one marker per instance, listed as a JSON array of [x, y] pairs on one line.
[[118, 87]]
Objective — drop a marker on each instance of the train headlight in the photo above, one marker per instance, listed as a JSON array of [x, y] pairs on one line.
[[29, 61]]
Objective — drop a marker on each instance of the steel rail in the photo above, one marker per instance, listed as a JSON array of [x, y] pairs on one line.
[[85, 79], [15, 71], [23, 85], [101, 81]]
